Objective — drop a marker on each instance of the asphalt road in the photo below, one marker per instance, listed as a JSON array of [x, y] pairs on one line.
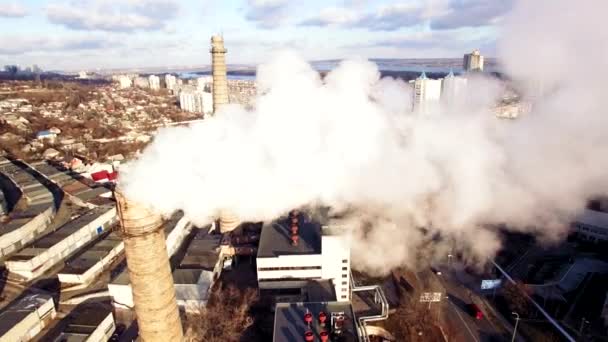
[[455, 306]]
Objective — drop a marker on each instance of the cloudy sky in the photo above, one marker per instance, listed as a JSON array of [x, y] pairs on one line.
[[90, 34]]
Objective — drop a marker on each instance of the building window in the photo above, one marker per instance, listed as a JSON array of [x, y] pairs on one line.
[[345, 261], [344, 283], [344, 275], [343, 296], [344, 268]]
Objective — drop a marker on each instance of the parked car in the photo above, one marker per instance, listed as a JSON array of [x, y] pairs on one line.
[[474, 311]]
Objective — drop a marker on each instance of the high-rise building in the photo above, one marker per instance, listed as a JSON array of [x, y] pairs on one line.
[[125, 81], [194, 101], [452, 87], [141, 82], [154, 82], [218, 65], [426, 92], [170, 82], [204, 83], [473, 61]]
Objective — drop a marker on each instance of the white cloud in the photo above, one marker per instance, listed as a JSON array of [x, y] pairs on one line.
[[15, 45], [12, 10], [267, 13], [113, 15]]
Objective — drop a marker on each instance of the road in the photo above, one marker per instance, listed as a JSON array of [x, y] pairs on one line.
[[459, 297]]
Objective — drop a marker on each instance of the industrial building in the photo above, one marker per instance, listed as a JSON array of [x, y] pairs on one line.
[[26, 317], [26, 222], [86, 323], [295, 251], [47, 251], [83, 267], [472, 61], [322, 321], [592, 226], [175, 230], [427, 93]]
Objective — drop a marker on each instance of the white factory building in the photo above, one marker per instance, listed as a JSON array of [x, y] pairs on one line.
[[427, 92], [472, 61], [321, 255], [154, 82], [195, 101], [592, 226], [26, 317]]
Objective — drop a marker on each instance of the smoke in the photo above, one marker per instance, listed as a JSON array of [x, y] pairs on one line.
[[412, 186]]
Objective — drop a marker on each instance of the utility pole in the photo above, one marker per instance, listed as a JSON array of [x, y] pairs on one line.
[[516, 315]]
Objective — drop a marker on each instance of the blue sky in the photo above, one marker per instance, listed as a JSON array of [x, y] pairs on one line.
[[90, 34]]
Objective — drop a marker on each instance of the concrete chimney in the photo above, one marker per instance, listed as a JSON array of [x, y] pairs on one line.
[[149, 271], [228, 221], [218, 63]]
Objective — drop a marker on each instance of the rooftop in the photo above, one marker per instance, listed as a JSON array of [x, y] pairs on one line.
[[275, 239], [19, 309], [593, 218], [289, 324], [91, 254]]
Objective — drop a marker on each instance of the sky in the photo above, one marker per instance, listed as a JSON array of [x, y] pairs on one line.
[[99, 34]]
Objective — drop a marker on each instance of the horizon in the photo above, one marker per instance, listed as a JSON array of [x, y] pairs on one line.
[[64, 35]]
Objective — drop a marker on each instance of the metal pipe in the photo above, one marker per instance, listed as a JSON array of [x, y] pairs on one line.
[[149, 272], [542, 311]]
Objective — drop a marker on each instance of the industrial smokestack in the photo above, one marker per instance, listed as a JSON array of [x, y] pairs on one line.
[[148, 264], [220, 82], [228, 221]]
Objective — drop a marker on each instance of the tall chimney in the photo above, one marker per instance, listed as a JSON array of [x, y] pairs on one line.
[[148, 264], [228, 221], [218, 65]]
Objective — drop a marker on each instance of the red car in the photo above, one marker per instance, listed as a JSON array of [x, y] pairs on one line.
[[475, 311]]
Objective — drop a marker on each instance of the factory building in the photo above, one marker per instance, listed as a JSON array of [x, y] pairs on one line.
[[23, 319], [472, 61], [47, 251], [452, 88], [175, 229], [154, 82], [592, 226], [86, 323], [427, 93], [296, 257], [83, 267], [24, 224], [319, 321]]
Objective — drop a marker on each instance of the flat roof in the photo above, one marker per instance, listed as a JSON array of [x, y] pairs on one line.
[[80, 323], [19, 309], [203, 250], [289, 324], [186, 276], [275, 239], [593, 218], [92, 253], [40, 245]]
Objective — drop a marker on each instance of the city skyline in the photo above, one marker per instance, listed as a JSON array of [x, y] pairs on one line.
[[64, 35]]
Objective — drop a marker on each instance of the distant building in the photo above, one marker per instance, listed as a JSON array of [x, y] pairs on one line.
[[171, 82], [124, 81], [154, 82], [204, 83], [141, 82], [592, 226], [473, 61], [83, 75], [315, 263], [46, 135], [195, 101], [427, 92], [452, 87]]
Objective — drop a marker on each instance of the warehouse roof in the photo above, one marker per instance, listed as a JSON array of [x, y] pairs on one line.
[[19, 309], [275, 239], [90, 255]]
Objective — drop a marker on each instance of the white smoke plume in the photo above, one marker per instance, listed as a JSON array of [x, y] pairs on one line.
[[415, 185]]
